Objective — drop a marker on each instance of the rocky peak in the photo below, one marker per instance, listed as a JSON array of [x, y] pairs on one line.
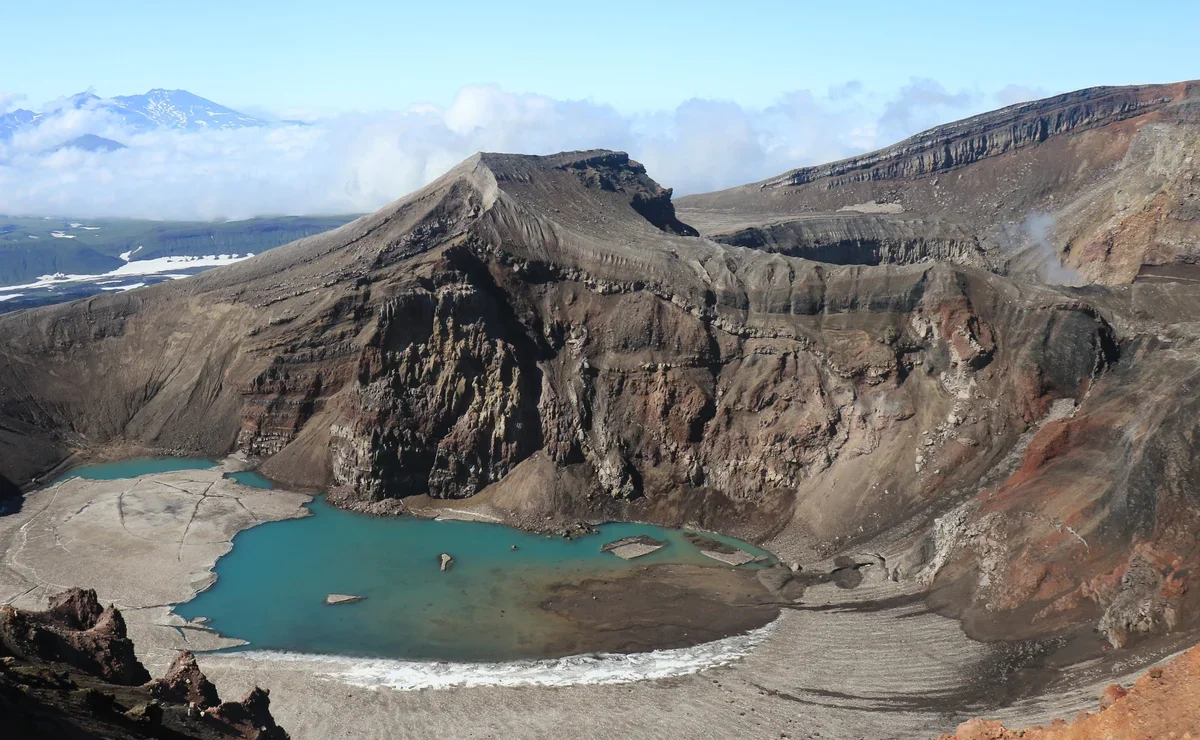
[[76, 631], [597, 170], [76, 608], [616, 172], [185, 683], [70, 671], [250, 718]]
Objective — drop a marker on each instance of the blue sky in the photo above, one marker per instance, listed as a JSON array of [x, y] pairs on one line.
[[706, 94], [366, 54]]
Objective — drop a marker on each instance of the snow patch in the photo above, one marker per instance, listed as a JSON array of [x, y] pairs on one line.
[[597, 668], [61, 235], [10, 296], [170, 264], [124, 288], [141, 267]]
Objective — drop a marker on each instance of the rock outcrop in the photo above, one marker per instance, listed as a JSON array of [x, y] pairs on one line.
[[249, 718], [184, 683], [70, 671], [77, 631], [852, 239]]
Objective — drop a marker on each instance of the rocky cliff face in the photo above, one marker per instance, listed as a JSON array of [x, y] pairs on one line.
[[965, 142], [1094, 186], [544, 335], [71, 672], [851, 239]]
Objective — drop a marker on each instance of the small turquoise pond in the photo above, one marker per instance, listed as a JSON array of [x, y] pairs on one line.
[[251, 478], [138, 466]]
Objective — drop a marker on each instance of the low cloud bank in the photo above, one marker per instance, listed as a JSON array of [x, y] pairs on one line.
[[357, 162]]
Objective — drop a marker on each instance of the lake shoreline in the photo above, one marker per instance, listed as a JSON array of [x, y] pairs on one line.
[[111, 509], [890, 664], [563, 595]]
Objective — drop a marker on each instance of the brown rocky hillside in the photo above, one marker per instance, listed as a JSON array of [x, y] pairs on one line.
[[547, 336]]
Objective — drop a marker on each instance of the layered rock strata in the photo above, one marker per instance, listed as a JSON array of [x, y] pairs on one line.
[[544, 337], [1093, 186]]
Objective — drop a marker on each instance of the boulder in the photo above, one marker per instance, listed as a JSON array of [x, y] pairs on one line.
[[185, 683]]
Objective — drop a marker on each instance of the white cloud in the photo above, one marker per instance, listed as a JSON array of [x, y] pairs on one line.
[[923, 103], [357, 162], [9, 100], [1013, 94]]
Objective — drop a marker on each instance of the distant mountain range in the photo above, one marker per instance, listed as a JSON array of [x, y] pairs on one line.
[[90, 143], [157, 109]]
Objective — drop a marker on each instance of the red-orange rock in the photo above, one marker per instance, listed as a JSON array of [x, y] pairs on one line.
[[1111, 695], [1164, 703]]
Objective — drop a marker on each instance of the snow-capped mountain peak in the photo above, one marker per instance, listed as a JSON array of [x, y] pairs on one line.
[[179, 109], [158, 108]]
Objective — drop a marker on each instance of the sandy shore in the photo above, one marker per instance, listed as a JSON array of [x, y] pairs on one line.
[[899, 672], [871, 662], [144, 544]]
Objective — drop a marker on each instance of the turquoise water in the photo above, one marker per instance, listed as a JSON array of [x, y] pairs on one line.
[[270, 589], [138, 466], [251, 478]]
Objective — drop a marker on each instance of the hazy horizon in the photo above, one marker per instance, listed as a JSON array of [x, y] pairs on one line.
[[706, 98]]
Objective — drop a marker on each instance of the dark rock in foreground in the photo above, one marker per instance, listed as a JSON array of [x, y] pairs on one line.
[[77, 631], [70, 672], [185, 684]]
